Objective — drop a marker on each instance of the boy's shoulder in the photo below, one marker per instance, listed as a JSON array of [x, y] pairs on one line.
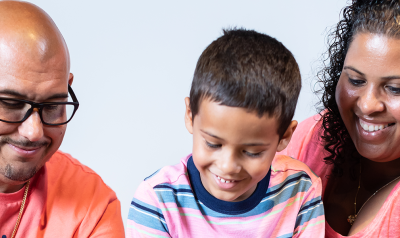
[[287, 164], [170, 174]]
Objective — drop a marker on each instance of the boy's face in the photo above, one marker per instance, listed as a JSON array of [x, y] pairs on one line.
[[232, 148]]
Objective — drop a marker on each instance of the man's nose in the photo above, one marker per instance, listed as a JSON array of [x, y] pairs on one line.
[[229, 164], [32, 127], [370, 102]]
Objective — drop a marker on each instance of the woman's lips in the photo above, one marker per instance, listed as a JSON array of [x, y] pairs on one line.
[[370, 127], [374, 132]]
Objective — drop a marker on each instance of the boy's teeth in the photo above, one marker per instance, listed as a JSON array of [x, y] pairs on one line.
[[374, 127], [224, 181]]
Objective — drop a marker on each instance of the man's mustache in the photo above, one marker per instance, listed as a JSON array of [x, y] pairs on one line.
[[23, 143]]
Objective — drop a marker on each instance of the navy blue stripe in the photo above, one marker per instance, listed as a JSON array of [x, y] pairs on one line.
[[310, 205], [287, 182], [225, 207], [148, 210], [182, 190]]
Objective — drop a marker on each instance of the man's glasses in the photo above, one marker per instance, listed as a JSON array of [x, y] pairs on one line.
[[51, 113]]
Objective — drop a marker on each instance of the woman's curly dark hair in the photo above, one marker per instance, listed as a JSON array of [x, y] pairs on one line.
[[373, 16]]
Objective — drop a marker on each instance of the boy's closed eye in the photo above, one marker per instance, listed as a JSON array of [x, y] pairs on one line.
[[248, 153], [214, 146]]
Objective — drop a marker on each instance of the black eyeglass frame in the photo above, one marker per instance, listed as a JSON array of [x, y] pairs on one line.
[[40, 106]]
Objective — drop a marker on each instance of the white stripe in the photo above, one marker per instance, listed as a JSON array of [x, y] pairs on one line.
[[170, 190], [148, 214], [287, 186], [305, 211]]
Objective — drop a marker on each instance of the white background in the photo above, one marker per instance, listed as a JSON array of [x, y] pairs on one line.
[[133, 63]]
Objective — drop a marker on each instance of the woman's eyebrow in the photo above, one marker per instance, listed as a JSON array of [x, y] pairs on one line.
[[391, 77], [384, 78], [354, 69]]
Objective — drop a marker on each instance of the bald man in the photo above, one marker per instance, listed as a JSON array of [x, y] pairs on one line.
[[43, 192]]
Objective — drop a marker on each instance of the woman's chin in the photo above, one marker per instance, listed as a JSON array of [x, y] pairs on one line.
[[377, 153]]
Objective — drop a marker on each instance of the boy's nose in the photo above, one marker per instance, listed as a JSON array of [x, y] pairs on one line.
[[229, 164]]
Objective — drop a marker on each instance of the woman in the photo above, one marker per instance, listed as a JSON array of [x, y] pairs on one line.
[[354, 145]]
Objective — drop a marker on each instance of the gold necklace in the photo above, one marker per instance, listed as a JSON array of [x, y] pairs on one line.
[[352, 218], [21, 210]]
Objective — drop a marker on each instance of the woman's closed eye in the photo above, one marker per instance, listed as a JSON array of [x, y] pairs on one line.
[[393, 90], [356, 82]]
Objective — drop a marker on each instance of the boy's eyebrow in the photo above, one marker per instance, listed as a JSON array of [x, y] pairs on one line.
[[208, 133], [256, 144], [246, 144]]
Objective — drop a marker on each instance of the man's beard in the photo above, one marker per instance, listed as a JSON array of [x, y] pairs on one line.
[[21, 174], [18, 174]]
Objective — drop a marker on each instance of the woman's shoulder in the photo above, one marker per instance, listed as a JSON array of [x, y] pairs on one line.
[[308, 125], [306, 131], [307, 145]]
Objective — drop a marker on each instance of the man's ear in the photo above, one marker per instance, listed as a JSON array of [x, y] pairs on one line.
[[287, 136], [188, 116], [70, 79]]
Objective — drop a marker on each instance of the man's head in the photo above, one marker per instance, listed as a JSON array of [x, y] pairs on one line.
[[243, 97], [34, 66]]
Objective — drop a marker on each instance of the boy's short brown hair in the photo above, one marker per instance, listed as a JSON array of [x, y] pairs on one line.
[[247, 69]]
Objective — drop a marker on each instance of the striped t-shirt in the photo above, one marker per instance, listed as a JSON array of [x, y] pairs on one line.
[[173, 203]]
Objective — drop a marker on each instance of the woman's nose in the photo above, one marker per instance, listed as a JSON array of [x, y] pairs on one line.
[[369, 102]]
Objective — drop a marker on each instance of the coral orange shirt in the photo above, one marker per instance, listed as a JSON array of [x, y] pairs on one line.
[[65, 199]]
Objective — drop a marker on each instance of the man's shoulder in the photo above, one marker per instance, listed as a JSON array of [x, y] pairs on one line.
[[64, 159], [171, 174], [65, 171]]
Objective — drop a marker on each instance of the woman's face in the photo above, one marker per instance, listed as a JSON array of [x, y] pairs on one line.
[[368, 96]]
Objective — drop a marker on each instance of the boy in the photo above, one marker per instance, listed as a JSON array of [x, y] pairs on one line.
[[240, 110]]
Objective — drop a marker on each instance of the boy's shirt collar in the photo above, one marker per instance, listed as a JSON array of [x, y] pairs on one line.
[[229, 208]]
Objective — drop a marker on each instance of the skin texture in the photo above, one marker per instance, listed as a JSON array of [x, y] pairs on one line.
[[34, 65], [233, 144], [368, 89]]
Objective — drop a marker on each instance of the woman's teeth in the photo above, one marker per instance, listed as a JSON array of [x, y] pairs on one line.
[[372, 127], [225, 181]]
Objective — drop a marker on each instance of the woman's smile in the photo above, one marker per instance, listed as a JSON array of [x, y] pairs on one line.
[[374, 133]]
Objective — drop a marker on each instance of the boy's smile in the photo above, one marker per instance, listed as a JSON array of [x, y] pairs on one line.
[[233, 148]]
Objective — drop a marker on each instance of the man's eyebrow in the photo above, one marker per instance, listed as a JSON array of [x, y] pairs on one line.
[[12, 93], [58, 96], [354, 69], [22, 96]]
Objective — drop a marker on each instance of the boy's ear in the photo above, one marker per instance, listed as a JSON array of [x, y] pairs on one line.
[[188, 116], [287, 136]]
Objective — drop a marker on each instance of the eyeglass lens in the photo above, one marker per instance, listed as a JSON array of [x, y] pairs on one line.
[[15, 111]]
